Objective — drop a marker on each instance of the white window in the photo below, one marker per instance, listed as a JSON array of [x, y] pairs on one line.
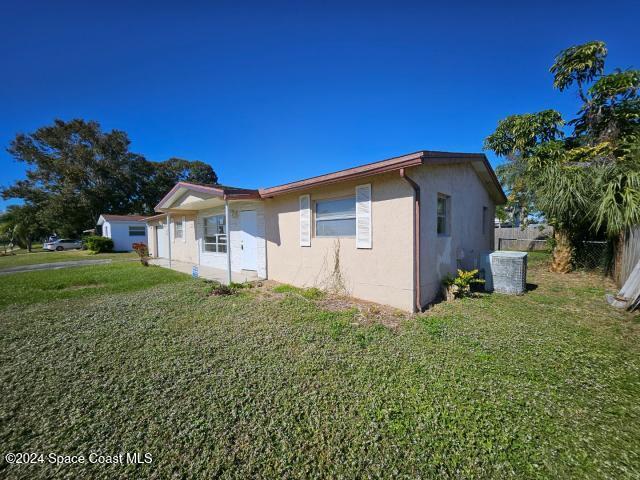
[[179, 233], [443, 214], [336, 217], [137, 230], [215, 234]]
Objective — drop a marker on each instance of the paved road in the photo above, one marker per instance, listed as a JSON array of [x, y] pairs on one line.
[[53, 266]]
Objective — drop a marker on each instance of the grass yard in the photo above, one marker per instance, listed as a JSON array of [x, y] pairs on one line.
[[22, 257], [274, 384]]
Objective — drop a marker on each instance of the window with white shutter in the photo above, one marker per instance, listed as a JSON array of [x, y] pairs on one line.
[[305, 221], [363, 216]]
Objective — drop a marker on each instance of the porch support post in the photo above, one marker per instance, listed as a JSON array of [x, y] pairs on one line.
[[169, 238], [195, 230], [228, 227]]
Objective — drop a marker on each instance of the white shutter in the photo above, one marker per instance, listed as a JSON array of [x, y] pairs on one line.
[[305, 221], [363, 216]]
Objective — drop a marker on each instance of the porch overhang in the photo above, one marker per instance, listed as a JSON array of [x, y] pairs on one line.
[[190, 198]]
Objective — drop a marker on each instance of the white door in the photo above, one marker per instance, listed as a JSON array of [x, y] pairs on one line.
[[161, 242], [249, 245]]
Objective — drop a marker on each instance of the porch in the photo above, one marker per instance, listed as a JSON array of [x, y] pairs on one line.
[[219, 229], [210, 273]]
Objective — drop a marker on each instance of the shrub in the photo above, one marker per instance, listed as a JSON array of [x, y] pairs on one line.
[[143, 252], [99, 244], [220, 289], [460, 286]]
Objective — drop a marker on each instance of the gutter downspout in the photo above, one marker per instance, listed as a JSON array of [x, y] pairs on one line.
[[226, 221], [416, 239], [169, 238]]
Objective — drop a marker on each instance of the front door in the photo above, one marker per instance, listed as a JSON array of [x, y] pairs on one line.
[[161, 242], [249, 245]]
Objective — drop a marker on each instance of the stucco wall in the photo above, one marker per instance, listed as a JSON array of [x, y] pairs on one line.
[[184, 249], [442, 255], [381, 274], [119, 233]]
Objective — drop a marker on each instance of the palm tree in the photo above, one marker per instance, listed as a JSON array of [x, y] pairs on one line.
[[588, 181]]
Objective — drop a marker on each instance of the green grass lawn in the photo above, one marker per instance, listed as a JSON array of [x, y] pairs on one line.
[[22, 257], [273, 384], [82, 282]]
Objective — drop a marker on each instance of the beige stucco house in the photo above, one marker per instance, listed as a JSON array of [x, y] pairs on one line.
[[386, 232]]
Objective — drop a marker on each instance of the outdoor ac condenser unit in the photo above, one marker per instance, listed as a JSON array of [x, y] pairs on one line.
[[504, 272]]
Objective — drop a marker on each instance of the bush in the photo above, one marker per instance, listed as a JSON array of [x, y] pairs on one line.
[[460, 286], [143, 252], [220, 289], [99, 244]]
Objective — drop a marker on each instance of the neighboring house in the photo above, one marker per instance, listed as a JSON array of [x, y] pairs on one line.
[[387, 231], [124, 230]]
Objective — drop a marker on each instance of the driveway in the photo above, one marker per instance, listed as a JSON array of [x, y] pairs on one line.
[[53, 266]]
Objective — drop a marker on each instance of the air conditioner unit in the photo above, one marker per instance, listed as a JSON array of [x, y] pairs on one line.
[[504, 272]]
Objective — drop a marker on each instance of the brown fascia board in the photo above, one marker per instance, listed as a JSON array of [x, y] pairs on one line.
[[384, 166], [375, 168]]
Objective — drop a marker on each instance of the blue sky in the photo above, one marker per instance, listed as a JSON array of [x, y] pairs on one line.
[[276, 91]]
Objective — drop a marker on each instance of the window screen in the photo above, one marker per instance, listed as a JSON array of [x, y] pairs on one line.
[[443, 214], [336, 217]]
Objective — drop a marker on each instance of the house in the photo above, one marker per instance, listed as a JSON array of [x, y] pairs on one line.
[[124, 230], [386, 232]]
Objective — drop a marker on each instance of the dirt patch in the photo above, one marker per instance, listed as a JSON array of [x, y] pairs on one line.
[[366, 313]]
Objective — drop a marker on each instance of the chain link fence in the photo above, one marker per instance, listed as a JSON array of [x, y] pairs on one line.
[[590, 255]]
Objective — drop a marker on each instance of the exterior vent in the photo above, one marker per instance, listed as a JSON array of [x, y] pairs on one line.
[[505, 272]]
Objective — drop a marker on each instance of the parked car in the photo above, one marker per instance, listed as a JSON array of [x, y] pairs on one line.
[[62, 244]]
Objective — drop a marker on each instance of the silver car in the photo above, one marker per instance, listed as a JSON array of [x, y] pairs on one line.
[[62, 244]]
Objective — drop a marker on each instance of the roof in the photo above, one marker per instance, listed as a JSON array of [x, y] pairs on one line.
[[222, 191], [479, 160], [106, 217], [153, 217]]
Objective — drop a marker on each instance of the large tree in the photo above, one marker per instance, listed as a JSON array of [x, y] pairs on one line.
[[76, 171], [162, 176], [582, 175]]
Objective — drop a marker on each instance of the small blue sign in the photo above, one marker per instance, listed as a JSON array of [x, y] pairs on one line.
[[194, 271]]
